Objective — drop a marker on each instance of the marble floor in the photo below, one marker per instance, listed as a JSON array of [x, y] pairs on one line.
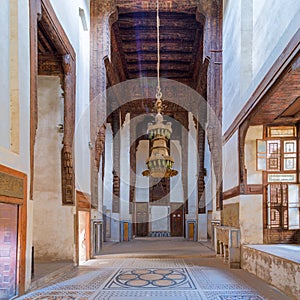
[[156, 268]]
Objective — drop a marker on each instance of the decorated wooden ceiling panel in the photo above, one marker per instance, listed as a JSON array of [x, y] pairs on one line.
[[180, 44]]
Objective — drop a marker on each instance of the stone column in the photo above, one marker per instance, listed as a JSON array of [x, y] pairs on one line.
[[192, 215], [125, 178], [102, 16]]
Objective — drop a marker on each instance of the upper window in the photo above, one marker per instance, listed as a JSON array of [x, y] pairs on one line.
[[277, 154]]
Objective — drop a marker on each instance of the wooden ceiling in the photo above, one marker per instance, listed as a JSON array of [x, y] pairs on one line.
[[281, 105], [180, 45]]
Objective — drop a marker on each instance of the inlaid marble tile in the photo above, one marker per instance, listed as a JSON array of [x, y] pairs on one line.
[[152, 278]]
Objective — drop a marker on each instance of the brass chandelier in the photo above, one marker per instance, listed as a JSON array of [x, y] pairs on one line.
[[160, 163]]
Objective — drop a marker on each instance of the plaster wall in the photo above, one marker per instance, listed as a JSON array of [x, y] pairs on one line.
[[253, 133], [67, 12], [231, 61], [115, 228], [251, 219], [142, 182], [125, 168], [202, 227], [15, 85], [82, 128], [53, 227], [4, 74], [176, 188], [160, 218], [231, 163], [274, 24], [108, 169]]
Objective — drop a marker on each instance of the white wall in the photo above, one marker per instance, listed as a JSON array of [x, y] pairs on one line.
[[274, 24], [108, 170], [53, 224], [176, 187], [142, 182], [231, 163], [4, 74], [253, 133], [82, 129], [208, 177], [251, 219], [67, 12], [231, 61], [15, 80]]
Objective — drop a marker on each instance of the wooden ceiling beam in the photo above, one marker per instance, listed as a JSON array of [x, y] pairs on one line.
[[43, 42], [118, 57], [143, 35], [148, 46], [138, 58], [162, 62], [149, 19], [163, 67]]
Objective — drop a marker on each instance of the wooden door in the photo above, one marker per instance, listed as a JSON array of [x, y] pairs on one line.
[[191, 228], [177, 222], [126, 232], [142, 219], [8, 250]]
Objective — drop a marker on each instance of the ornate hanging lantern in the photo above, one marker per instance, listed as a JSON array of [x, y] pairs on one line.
[[160, 163]]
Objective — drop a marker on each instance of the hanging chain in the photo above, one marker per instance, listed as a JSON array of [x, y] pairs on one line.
[[158, 93]]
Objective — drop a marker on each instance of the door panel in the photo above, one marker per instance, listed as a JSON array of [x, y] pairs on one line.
[[142, 219], [177, 222], [8, 249]]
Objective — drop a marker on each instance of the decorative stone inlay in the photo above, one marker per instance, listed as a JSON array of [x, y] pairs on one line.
[[11, 186], [151, 278]]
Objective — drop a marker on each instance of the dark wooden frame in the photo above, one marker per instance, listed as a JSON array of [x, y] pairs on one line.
[[22, 225]]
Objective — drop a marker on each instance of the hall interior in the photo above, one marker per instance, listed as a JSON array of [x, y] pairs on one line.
[[139, 122]]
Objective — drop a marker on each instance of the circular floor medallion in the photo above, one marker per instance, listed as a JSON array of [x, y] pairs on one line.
[[164, 283], [175, 276], [137, 282]]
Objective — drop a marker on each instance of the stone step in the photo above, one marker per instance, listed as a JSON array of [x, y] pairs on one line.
[[48, 272]]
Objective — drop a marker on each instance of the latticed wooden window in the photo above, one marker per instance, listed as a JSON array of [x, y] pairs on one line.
[[283, 206], [277, 155]]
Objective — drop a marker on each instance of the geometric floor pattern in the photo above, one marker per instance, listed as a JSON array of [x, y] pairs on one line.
[[145, 279]]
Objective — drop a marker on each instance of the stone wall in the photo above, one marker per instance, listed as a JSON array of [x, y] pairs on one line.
[[279, 272]]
